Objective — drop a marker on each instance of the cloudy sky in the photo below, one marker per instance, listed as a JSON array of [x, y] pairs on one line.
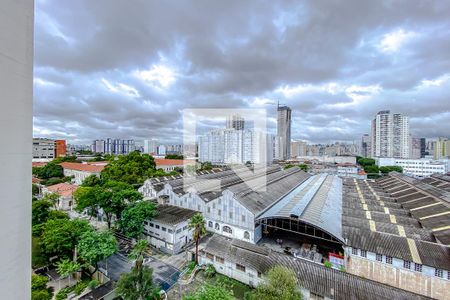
[[127, 69]]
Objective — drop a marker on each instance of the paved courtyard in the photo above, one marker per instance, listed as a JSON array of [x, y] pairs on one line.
[[163, 273]]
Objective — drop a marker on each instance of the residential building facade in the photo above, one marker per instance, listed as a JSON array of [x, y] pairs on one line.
[[390, 135], [60, 148], [80, 171], [43, 148]]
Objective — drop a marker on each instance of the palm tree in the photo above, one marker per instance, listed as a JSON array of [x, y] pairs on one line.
[[197, 223], [138, 253], [66, 267]]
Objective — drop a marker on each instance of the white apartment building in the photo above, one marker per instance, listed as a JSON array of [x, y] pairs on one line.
[[43, 148], [298, 148], [423, 167], [151, 146], [231, 146], [390, 135]]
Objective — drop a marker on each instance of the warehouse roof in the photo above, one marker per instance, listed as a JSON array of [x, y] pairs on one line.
[[314, 277], [171, 215]]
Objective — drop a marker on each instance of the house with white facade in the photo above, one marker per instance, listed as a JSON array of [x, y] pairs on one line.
[[80, 171], [65, 191]]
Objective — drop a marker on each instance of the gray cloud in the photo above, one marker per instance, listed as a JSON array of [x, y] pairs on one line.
[[341, 62]]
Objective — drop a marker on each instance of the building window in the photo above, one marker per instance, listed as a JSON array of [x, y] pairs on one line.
[[354, 251], [259, 274], [438, 273], [418, 267], [363, 253], [157, 226], [178, 230], [214, 205], [219, 212], [220, 259], [151, 225], [217, 227], [407, 264], [227, 229], [389, 260], [240, 267], [169, 230], [379, 257], [210, 224], [246, 235], [209, 209], [185, 227], [163, 228], [209, 256], [231, 215]]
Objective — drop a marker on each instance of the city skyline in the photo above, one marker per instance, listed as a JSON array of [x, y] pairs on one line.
[[335, 70]]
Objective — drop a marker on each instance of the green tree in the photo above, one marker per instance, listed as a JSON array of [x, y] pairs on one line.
[[366, 161], [137, 285], [174, 156], [197, 223], [387, 169], [280, 284], [40, 211], [133, 168], [35, 189], [53, 198], [206, 166], [112, 197], [91, 180], [67, 267], [132, 219], [138, 252], [60, 236], [39, 290], [95, 246], [52, 169], [210, 292], [371, 169]]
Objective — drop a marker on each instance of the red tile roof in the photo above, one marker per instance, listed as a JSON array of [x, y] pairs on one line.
[[35, 180], [172, 162], [97, 163], [82, 167], [63, 189]]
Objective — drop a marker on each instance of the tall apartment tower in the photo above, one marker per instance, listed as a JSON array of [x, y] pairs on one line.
[[365, 146], [390, 135], [284, 131], [235, 122]]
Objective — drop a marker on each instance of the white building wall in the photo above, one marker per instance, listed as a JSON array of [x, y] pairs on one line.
[[416, 167]]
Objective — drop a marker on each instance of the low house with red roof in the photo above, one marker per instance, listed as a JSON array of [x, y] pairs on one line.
[[169, 165], [80, 171], [65, 191]]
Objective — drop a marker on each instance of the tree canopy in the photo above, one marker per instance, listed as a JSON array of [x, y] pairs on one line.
[[95, 246], [280, 284], [210, 292], [133, 168], [52, 169], [60, 236], [174, 156], [39, 290], [137, 285], [133, 216], [112, 197]]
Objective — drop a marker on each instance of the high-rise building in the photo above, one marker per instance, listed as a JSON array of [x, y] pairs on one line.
[[298, 148], [442, 148], [231, 146], [235, 122], [60, 148], [284, 131], [365, 145], [151, 146], [390, 135], [113, 146], [417, 148]]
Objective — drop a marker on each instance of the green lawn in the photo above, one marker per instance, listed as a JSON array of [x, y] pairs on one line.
[[239, 289]]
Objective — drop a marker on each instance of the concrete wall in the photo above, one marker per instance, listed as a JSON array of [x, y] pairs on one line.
[[401, 278], [16, 90]]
